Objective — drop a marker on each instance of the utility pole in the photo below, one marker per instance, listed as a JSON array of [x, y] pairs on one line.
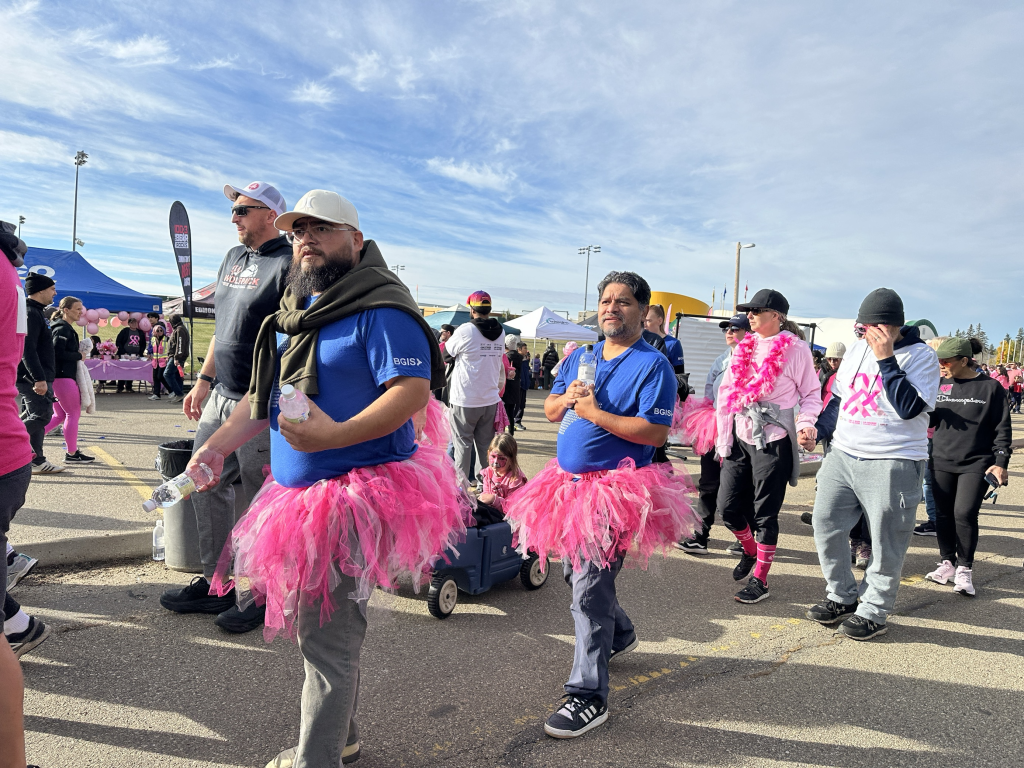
[[586, 279], [80, 159], [736, 284], [21, 220]]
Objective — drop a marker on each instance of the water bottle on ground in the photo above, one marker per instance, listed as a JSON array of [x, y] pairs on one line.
[[587, 371], [178, 488], [293, 404], [158, 541]]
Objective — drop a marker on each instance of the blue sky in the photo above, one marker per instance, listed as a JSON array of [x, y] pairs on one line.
[[858, 145]]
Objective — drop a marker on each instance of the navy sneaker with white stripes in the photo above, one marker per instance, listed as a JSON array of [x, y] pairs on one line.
[[576, 716]]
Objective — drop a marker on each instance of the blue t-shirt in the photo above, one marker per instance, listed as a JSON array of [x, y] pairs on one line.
[[673, 350], [355, 356], [639, 382]]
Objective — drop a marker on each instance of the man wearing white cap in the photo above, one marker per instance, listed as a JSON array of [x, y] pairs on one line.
[[250, 284]]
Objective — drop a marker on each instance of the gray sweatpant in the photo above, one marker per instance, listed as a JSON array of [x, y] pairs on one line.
[[215, 508], [331, 691], [469, 426], [886, 492]]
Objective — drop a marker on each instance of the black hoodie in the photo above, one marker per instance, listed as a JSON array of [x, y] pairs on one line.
[[488, 326]]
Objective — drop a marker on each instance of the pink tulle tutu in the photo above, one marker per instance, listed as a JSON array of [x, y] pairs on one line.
[[437, 430], [377, 524], [598, 516], [698, 426]]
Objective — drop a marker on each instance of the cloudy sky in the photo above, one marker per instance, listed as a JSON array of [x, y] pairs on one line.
[[857, 144]]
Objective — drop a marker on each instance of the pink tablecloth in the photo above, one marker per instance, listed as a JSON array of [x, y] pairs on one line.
[[119, 370]]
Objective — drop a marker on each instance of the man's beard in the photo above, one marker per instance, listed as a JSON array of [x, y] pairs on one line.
[[624, 331], [314, 280], [248, 239]]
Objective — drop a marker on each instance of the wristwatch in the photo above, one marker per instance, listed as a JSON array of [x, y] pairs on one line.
[[204, 377]]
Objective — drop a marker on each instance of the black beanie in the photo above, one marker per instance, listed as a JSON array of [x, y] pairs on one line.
[[883, 306], [35, 283]]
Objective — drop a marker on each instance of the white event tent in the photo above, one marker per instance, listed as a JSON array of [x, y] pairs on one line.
[[544, 324]]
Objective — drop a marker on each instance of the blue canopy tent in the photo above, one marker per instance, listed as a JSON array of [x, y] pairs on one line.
[[77, 277], [456, 316]]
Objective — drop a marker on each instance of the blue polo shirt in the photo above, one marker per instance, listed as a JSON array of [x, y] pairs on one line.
[[355, 356], [639, 382], [673, 350]]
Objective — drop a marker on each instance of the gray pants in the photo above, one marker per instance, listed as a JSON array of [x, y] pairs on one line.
[[215, 509], [601, 625], [13, 487], [36, 412], [331, 692], [886, 492], [472, 426]]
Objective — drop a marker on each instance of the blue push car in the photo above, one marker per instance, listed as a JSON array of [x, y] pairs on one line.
[[486, 558]]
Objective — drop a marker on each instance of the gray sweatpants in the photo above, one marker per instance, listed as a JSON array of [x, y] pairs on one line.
[[886, 492], [330, 693], [472, 426], [215, 508]]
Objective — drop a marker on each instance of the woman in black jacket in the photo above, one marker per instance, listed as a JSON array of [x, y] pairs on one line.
[[68, 407], [971, 442]]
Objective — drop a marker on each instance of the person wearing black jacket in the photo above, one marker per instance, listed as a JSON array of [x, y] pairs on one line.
[[971, 442], [548, 362], [129, 341], [36, 370], [68, 408], [178, 349], [513, 386]]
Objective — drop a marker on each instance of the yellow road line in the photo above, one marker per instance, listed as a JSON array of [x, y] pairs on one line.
[[121, 471]]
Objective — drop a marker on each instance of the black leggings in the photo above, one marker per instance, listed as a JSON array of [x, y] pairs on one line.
[[957, 501], [753, 487]]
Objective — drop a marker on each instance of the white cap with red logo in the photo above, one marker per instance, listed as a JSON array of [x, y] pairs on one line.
[[259, 190]]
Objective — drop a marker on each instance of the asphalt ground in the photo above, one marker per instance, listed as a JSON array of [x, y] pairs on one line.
[[713, 683]]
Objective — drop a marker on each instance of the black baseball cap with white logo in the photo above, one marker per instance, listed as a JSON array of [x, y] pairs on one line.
[[737, 321], [766, 298]]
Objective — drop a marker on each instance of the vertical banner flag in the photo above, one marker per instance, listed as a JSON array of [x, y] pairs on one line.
[[181, 240]]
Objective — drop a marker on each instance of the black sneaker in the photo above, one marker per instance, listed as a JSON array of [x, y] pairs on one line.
[[806, 518], [735, 549], [755, 591], [238, 622], [196, 598], [576, 716], [78, 457], [519, 425], [859, 628], [692, 546], [742, 569], [630, 646], [23, 642], [829, 612], [927, 528]]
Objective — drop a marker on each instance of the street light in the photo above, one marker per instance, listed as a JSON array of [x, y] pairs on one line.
[[397, 267], [79, 243], [21, 220], [736, 284], [80, 159], [586, 280]]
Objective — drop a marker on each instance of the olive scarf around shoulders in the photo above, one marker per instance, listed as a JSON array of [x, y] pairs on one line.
[[369, 285]]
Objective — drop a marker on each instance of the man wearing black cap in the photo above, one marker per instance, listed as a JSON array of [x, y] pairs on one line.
[[37, 369], [877, 421], [710, 468], [767, 404]]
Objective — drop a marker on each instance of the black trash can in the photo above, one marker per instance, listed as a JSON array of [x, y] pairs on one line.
[[181, 534]]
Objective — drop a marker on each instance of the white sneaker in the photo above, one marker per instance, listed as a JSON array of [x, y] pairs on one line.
[[963, 582], [175, 399], [46, 468], [287, 758], [154, 397], [943, 573], [18, 569]]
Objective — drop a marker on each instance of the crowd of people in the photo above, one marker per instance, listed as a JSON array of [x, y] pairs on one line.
[[381, 477]]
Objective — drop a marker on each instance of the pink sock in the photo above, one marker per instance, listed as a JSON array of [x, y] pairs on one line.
[[746, 540], [765, 556]]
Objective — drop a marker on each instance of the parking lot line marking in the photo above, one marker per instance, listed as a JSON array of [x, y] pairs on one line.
[[122, 471]]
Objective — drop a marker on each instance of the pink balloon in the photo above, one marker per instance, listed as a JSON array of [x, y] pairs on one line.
[[103, 313], [145, 326], [122, 316], [92, 328], [81, 322], [102, 323], [116, 322], [135, 315], [92, 315]]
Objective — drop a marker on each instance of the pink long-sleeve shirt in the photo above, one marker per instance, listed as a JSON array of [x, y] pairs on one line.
[[797, 386], [15, 452], [502, 486]]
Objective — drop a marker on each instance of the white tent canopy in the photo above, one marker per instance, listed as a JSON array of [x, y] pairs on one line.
[[544, 324]]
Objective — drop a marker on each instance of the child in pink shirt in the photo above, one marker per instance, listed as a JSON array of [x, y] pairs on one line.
[[502, 478]]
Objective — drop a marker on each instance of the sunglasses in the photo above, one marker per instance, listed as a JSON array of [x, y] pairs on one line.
[[243, 210], [758, 310], [860, 330], [733, 329]]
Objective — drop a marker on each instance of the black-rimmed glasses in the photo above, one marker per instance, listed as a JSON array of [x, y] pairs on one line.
[[317, 230]]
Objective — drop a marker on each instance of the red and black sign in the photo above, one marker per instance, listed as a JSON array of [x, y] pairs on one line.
[[181, 241]]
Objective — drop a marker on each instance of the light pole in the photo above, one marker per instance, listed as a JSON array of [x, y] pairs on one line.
[[80, 159], [586, 279], [736, 284], [21, 220], [79, 242]]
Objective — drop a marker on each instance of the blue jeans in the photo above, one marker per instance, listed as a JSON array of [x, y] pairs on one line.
[[929, 497], [173, 379], [601, 625]]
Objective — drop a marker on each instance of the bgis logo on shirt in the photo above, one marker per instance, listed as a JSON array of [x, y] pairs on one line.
[[413, 361], [242, 278]]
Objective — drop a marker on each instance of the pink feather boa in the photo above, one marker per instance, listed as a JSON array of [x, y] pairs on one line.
[[751, 383]]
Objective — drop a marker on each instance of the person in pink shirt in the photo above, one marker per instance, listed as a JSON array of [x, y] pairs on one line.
[[501, 478], [767, 405]]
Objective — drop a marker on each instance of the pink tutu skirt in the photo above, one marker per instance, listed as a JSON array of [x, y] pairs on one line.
[[698, 426], [437, 430], [377, 524], [598, 516]]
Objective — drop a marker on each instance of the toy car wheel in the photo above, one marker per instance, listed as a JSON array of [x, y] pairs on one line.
[[530, 573], [442, 596]]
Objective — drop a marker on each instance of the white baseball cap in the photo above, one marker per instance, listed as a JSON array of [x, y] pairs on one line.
[[323, 205], [259, 190]]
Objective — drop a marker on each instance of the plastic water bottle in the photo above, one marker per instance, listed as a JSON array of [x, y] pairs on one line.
[[178, 488], [293, 404], [158, 541], [587, 372]]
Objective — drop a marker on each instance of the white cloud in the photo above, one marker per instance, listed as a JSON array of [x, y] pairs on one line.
[[478, 176], [143, 50], [504, 146], [311, 92], [366, 69], [33, 150], [228, 63]]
